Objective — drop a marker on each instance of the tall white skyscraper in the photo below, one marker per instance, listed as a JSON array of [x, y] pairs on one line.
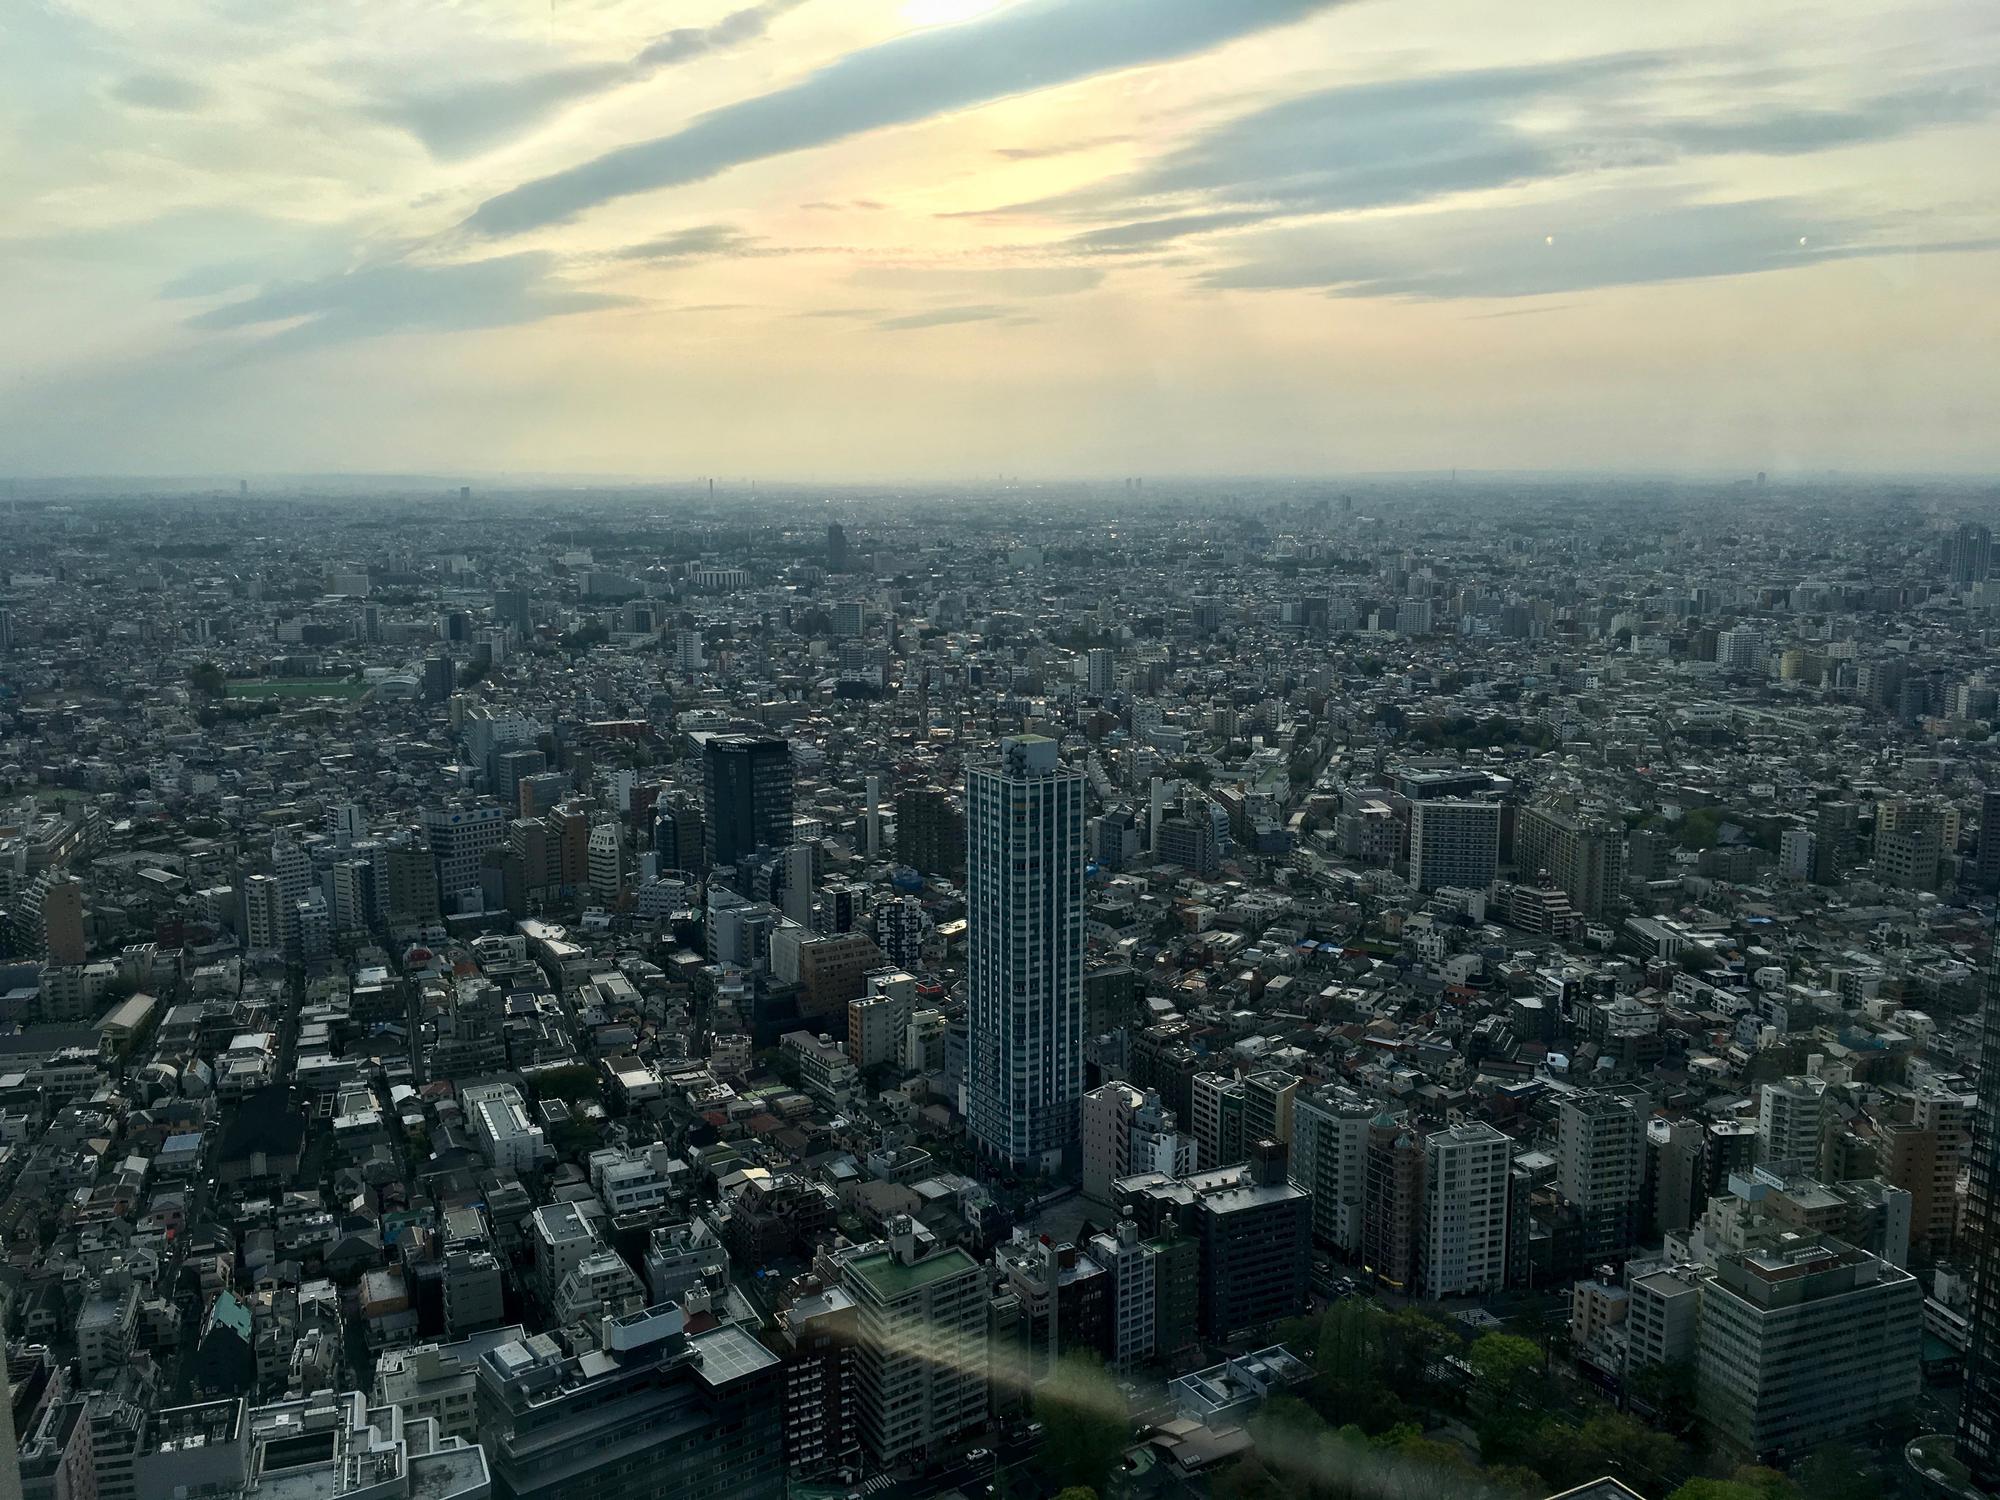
[[1024, 905]]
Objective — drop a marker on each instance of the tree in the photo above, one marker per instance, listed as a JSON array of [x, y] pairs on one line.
[[1505, 1367], [1611, 1443], [1088, 1423], [1077, 1492], [569, 1083], [1768, 1483], [1244, 1478], [1717, 1489], [1412, 1343], [1835, 1472], [207, 679], [1666, 1392]]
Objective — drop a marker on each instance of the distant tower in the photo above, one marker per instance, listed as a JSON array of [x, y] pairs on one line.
[[874, 816], [1024, 901], [836, 548]]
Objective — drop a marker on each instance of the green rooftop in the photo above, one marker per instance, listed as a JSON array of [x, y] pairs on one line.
[[890, 1280]]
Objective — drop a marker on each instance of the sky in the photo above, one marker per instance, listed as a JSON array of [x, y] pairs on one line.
[[851, 240]]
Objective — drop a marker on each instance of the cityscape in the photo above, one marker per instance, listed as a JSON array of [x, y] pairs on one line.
[[1436, 987], [999, 750]]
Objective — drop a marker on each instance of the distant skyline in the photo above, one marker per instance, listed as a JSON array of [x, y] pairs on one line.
[[852, 240]]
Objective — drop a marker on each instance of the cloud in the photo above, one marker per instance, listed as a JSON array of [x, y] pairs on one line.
[[1037, 44], [942, 317], [160, 91], [400, 296], [702, 242], [469, 118], [1405, 143], [1601, 239], [1059, 148]]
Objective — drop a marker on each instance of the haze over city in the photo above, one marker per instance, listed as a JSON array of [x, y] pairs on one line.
[[947, 238]]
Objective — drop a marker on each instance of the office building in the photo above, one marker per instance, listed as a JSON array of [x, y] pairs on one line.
[[1674, 1168], [1024, 979], [458, 837], [1986, 860], [1454, 843], [1188, 842], [747, 796], [1806, 1343], [678, 836], [1663, 1314], [411, 887], [439, 677], [1256, 1243], [1064, 1297], [653, 1414]]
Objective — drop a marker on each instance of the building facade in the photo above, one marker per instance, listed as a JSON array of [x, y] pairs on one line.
[[1024, 889]]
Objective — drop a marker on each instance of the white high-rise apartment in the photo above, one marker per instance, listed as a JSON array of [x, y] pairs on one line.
[[606, 852], [1791, 1121], [263, 914], [920, 1342], [1462, 1250], [1024, 909], [1330, 1160], [1741, 650], [293, 867], [1454, 843]]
